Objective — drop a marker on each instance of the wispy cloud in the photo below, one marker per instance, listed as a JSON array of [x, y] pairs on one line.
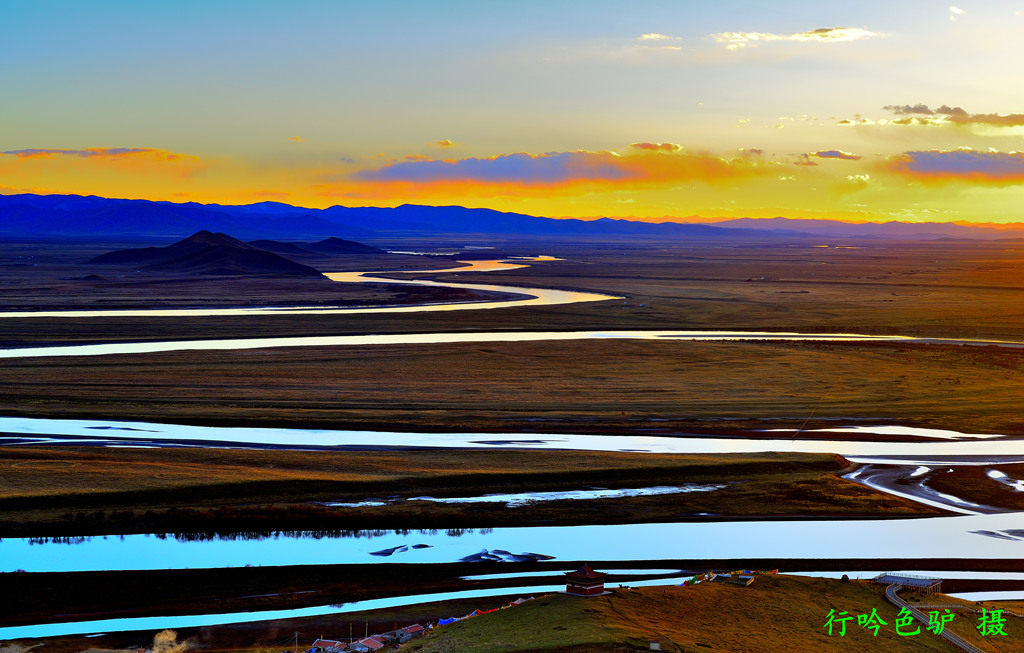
[[961, 165], [658, 147], [921, 114], [445, 143], [657, 37], [807, 159], [102, 152], [297, 139], [137, 161], [835, 154], [955, 12], [8, 190], [737, 40]]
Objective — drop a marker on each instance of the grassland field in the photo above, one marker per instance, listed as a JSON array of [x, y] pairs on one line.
[[63, 491], [941, 289]]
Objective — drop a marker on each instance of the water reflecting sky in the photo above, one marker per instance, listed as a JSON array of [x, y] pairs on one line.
[[980, 536]]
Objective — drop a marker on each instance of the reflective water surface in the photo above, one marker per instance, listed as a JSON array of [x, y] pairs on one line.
[[977, 536], [520, 499], [23, 431], [971, 536]]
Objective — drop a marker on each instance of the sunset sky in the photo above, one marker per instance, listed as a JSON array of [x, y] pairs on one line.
[[656, 110]]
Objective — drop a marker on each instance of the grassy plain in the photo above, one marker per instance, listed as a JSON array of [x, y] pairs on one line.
[[591, 386], [96, 490], [928, 289], [950, 289]]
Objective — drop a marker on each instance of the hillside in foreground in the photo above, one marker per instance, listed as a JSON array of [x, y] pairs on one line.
[[775, 613]]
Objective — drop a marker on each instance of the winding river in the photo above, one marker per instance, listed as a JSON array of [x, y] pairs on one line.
[[977, 536], [521, 297]]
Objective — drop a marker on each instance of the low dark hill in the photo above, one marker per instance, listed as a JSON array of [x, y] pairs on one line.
[[335, 246], [286, 249], [207, 253], [327, 247]]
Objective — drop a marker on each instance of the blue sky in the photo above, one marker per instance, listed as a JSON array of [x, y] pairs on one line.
[[317, 103]]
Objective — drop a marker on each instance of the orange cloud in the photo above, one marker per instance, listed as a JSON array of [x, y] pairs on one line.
[[102, 153], [446, 143], [12, 190], [130, 159]]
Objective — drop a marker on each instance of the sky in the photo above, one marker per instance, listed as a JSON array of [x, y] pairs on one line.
[[675, 110]]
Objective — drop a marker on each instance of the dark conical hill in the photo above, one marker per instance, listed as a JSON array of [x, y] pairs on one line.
[[205, 252]]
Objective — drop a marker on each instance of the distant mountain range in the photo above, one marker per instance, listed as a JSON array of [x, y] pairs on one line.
[[90, 216]]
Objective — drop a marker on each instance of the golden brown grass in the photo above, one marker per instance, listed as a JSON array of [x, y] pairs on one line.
[[52, 490], [939, 289], [774, 614], [575, 386]]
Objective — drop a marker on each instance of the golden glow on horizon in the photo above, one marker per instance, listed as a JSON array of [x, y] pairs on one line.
[[647, 181], [676, 111]]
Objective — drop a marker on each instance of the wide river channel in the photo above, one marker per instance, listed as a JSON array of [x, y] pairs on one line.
[[998, 536]]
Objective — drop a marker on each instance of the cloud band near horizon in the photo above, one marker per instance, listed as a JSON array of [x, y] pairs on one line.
[[100, 152], [961, 165], [657, 163]]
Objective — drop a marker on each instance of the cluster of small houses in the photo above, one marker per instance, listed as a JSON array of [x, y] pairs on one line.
[[741, 577], [582, 582], [372, 643]]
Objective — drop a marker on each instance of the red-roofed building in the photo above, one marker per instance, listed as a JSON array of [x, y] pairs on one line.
[[374, 643], [326, 645], [584, 582]]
